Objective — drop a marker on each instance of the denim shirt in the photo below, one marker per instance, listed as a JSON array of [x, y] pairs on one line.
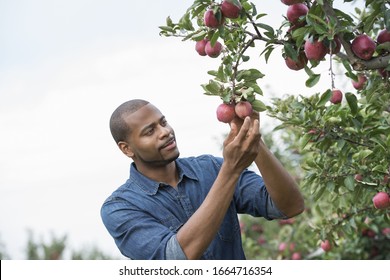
[[143, 216]]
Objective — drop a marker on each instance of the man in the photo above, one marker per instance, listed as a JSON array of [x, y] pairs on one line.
[[186, 208]]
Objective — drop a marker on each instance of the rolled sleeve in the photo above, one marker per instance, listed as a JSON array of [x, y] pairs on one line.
[[252, 197], [173, 250]]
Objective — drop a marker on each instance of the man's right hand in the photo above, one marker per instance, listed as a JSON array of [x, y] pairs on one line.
[[241, 146]]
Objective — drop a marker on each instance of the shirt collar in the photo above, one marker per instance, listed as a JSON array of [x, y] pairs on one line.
[[150, 186]]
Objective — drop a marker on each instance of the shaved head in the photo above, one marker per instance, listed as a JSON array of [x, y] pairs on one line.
[[119, 128]]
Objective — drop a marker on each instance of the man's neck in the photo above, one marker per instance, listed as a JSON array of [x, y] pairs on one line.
[[167, 174]]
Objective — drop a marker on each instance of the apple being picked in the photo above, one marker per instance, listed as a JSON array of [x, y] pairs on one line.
[[337, 96], [213, 51], [200, 47], [225, 112], [315, 50], [231, 8], [360, 83], [295, 11], [243, 109], [363, 47], [381, 200]]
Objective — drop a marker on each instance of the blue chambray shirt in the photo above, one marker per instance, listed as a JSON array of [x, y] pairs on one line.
[[143, 216]]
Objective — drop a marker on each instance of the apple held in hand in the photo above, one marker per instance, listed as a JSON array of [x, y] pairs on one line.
[[337, 96], [381, 200], [213, 51], [363, 47], [243, 109], [230, 9], [225, 112]]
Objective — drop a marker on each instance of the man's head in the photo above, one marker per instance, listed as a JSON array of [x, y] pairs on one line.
[[143, 134]]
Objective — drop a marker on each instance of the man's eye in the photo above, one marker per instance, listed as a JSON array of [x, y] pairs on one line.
[[150, 131]]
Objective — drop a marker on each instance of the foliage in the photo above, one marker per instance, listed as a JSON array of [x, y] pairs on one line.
[[331, 143], [57, 248]]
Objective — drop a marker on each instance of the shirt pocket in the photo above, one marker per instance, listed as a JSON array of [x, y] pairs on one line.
[[230, 226]]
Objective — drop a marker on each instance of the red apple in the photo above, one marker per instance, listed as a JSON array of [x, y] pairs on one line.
[[291, 2], [282, 246], [358, 177], [211, 20], [230, 10], [213, 51], [296, 65], [315, 50], [383, 37], [296, 256], [295, 11], [381, 200], [326, 246], [363, 46], [386, 231], [337, 96], [360, 83], [225, 112], [243, 109], [200, 47]]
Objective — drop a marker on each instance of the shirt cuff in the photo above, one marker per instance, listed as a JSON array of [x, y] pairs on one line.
[[173, 250]]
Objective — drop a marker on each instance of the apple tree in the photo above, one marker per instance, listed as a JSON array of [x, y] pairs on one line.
[[339, 141]]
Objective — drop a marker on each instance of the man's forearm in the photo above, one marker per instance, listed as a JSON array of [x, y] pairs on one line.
[[279, 183]]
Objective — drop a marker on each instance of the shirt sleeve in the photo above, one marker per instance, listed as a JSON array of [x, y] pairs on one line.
[[173, 250], [251, 197], [137, 234]]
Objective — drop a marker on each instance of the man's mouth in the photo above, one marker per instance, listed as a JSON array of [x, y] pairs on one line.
[[171, 143]]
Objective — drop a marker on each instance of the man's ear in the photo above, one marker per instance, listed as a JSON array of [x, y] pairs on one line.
[[126, 149]]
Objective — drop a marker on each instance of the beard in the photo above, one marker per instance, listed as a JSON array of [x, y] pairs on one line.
[[158, 161]]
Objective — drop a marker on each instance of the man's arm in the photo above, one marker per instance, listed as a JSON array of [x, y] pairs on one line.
[[280, 185], [240, 149]]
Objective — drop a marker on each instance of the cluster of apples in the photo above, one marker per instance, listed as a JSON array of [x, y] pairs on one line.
[[226, 112], [362, 45], [215, 17]]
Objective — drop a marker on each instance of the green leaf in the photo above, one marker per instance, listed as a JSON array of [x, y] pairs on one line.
[[266, 27], [214, 38], [349, 182], [352, 103], [324, 98], [258, 106], [313, 80]]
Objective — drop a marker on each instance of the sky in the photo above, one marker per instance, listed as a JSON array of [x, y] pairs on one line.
[[64, 68]]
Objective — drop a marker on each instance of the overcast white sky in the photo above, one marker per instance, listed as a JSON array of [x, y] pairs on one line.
[[65, 65]]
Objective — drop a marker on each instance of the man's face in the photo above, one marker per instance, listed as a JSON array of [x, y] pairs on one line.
[[152, 140]]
